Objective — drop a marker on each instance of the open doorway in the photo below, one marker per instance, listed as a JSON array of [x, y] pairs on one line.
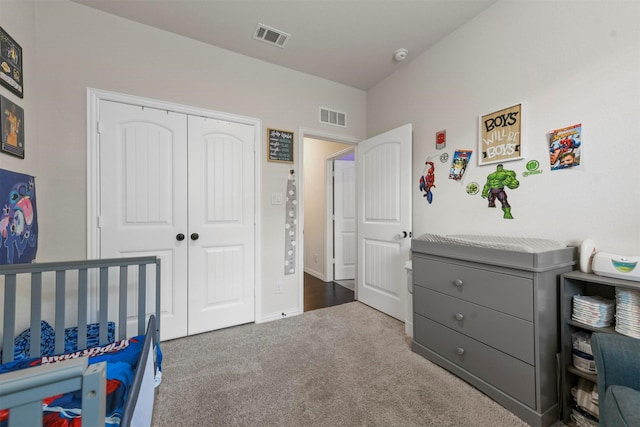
[[340, 247], [319, 158]]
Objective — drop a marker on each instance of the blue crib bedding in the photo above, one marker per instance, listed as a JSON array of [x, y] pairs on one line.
[[47, 339], [65, 409]]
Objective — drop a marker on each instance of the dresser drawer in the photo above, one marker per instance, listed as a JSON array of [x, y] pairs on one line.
[[503, 292], [504, 372], [494, 328]]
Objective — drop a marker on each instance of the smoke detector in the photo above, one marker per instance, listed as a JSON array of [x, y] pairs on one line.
[[400, 54]]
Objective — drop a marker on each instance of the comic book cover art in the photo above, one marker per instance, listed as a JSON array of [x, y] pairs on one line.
[[564, 147], [459, 164]]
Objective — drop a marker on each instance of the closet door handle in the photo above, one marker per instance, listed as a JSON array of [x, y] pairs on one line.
[[195, 236], [180, 237], [458, 282], [459, 316]]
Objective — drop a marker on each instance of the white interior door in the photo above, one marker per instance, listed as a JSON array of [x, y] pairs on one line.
[[384, 214], [344, 211], [143, 202], [221, 224]]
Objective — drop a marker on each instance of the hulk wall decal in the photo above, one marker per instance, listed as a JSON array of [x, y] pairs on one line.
[[494, 188]]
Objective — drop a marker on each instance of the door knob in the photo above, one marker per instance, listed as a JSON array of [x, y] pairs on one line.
[[180, 237], [195, 236], [404, 234]]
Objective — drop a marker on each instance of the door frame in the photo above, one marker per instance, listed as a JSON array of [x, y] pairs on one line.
[[325, 136], [94, 96], [329, 251]]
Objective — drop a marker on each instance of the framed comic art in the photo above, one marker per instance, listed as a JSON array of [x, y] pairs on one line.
[[11, 64], [11, 128], [500, 136], [565, 146]]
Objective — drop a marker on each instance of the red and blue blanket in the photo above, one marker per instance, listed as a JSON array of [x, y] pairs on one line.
[[64, 410]]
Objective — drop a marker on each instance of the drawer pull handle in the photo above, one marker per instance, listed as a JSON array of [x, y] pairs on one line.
[[458, 282], [459, 316], [460, 351]]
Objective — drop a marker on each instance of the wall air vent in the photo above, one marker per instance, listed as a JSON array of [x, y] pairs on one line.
[[333, 117], [271, 35]]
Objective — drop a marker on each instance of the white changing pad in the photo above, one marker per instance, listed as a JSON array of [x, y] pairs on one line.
[[517, 244]]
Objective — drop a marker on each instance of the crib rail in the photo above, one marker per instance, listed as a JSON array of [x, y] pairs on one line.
[[22, 391], [85, 270]]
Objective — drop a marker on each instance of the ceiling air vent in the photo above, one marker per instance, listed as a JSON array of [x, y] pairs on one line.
[[333, 117], [271, 35]]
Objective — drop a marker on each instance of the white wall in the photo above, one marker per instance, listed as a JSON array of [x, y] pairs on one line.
[[569, 63], [69, 47]]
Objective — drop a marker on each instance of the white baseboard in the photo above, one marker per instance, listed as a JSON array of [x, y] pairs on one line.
[[277, 316], [314, 273]]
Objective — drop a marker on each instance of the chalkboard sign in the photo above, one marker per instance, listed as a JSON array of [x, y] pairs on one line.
[[280, 146]]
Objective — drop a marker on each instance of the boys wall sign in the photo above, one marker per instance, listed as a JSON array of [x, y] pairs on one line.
[[501, 136]]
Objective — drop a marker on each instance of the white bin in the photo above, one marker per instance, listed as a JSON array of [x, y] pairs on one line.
[[408, 323]]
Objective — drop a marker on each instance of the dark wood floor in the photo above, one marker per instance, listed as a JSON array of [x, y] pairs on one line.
[[319, 294]]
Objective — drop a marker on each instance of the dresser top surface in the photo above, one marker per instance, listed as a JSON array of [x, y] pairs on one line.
[[530, 261]]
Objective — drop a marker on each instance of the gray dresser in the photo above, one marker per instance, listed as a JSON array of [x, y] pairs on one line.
[[490, 316]]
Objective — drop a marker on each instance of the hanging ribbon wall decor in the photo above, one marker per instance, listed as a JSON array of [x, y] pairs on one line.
[[291, 222]]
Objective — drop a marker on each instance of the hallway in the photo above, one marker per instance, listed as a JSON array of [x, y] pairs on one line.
[[319, 294]]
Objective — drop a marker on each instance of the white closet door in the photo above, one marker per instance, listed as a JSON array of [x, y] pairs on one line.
[[143, 198], [384, 214], [221, 224]]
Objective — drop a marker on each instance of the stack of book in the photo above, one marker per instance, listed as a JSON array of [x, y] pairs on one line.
[[593, 310], [628, 312]]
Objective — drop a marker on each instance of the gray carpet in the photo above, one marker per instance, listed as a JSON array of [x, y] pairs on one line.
[[347, 365]]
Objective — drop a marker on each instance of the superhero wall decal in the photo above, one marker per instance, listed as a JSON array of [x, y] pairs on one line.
[[495, 188], [427, 181], [564, 147]]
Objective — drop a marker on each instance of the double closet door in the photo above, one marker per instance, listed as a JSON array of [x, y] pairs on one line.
[[181, 187]]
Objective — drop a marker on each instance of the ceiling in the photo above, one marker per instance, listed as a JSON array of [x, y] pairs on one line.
[[346, 41]]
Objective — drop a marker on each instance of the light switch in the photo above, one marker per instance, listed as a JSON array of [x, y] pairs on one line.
[[276, 198]]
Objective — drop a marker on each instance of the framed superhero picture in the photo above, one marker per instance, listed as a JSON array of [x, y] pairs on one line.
[[11, 128], [11, 64], [565, 147], [500, 137], [18, 218]]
